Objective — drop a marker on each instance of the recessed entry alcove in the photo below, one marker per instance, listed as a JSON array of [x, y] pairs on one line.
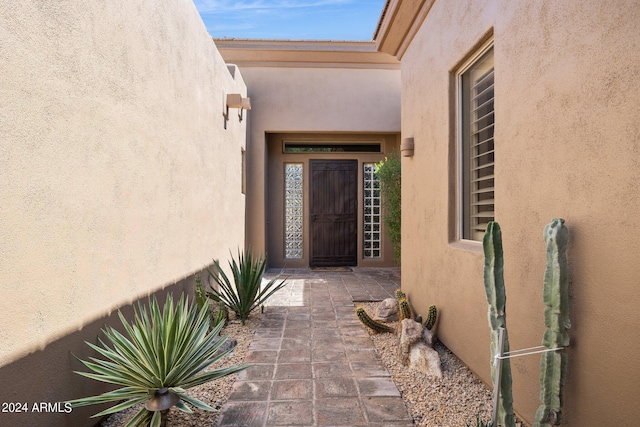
[[323, 200]]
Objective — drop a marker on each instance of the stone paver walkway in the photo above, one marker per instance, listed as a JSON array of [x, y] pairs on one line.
[[312, 361]]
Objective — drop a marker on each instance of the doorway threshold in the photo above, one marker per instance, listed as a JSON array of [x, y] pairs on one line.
[[340, 268]]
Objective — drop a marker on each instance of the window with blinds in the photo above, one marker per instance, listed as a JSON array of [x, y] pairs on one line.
[[477, 126]]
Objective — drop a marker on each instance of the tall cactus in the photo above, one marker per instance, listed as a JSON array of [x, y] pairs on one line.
[[556, 318], [496, 297]]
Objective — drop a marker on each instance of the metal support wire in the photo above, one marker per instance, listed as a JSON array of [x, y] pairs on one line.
[[497, 362], [526, 352]]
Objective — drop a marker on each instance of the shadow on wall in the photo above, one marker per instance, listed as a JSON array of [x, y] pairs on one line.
[[37, 385]]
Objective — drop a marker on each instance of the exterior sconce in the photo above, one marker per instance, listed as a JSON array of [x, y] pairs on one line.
[[406, 147], [235, 100]]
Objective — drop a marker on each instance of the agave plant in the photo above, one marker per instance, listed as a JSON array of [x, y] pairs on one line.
[[166, 353], [248, 292]]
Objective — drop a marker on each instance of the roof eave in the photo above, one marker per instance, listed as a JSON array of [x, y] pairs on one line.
[[399, 22], [304, 53]]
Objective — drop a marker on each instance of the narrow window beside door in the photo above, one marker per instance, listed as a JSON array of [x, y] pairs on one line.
[[371, 203], [293, 210]]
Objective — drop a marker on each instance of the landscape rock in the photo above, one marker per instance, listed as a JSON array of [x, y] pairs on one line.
[[410, 334], [425, 359], [387, 310], [429, 337], [229, 344]]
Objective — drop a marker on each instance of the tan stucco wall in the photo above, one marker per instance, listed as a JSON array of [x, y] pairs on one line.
[[567, 145], [297, 99], [118, 175]]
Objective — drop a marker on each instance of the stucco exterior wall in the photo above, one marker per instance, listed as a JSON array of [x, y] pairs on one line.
[[118, 175], [297, 99], [567, 145]]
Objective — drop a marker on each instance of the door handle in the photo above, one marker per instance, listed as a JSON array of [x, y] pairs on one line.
[[313, 217]]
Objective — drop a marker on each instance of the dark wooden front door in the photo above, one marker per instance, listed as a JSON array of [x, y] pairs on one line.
[[334, 212]]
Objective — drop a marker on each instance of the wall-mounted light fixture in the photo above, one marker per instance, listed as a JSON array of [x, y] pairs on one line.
[[406, 147], [235, 100]]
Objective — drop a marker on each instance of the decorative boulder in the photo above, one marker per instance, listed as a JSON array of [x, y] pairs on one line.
[[428, 336], [425, 359], [410, 334], [387, 310], [229, 344], [415, 349]]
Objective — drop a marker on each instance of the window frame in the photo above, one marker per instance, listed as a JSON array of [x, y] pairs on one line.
[[462, 186]]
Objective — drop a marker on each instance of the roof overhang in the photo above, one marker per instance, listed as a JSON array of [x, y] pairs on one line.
[[304, 53], [399, 23]]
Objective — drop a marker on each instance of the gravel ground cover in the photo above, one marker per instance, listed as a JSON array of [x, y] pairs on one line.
[[451, 401]]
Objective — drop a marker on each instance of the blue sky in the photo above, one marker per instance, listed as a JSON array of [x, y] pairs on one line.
[[291, 19]]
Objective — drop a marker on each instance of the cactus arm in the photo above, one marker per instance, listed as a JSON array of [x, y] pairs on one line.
[[556, 318], [556, 286], [370, 323], [404, 309], [496, 298], [493, 276], [432, 316]]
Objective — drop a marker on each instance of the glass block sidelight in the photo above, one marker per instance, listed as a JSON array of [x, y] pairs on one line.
[[371, 203], [293, 210]]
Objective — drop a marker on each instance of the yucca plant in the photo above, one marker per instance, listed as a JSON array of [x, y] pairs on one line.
[[166, 353], [247, 292]]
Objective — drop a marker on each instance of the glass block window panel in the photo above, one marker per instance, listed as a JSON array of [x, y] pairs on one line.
[[372, 213], [293, 210]]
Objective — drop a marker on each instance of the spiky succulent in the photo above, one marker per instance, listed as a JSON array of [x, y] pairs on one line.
[[247, 293], [166, 353]]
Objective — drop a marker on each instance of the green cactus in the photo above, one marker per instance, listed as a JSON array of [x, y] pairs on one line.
[[202, 300], [432, 316], [399, 294], [220, 315], [405, 311], [215, 316], [201, 295], [480, 423], [370, 323], [556, 318], [496, 297]]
